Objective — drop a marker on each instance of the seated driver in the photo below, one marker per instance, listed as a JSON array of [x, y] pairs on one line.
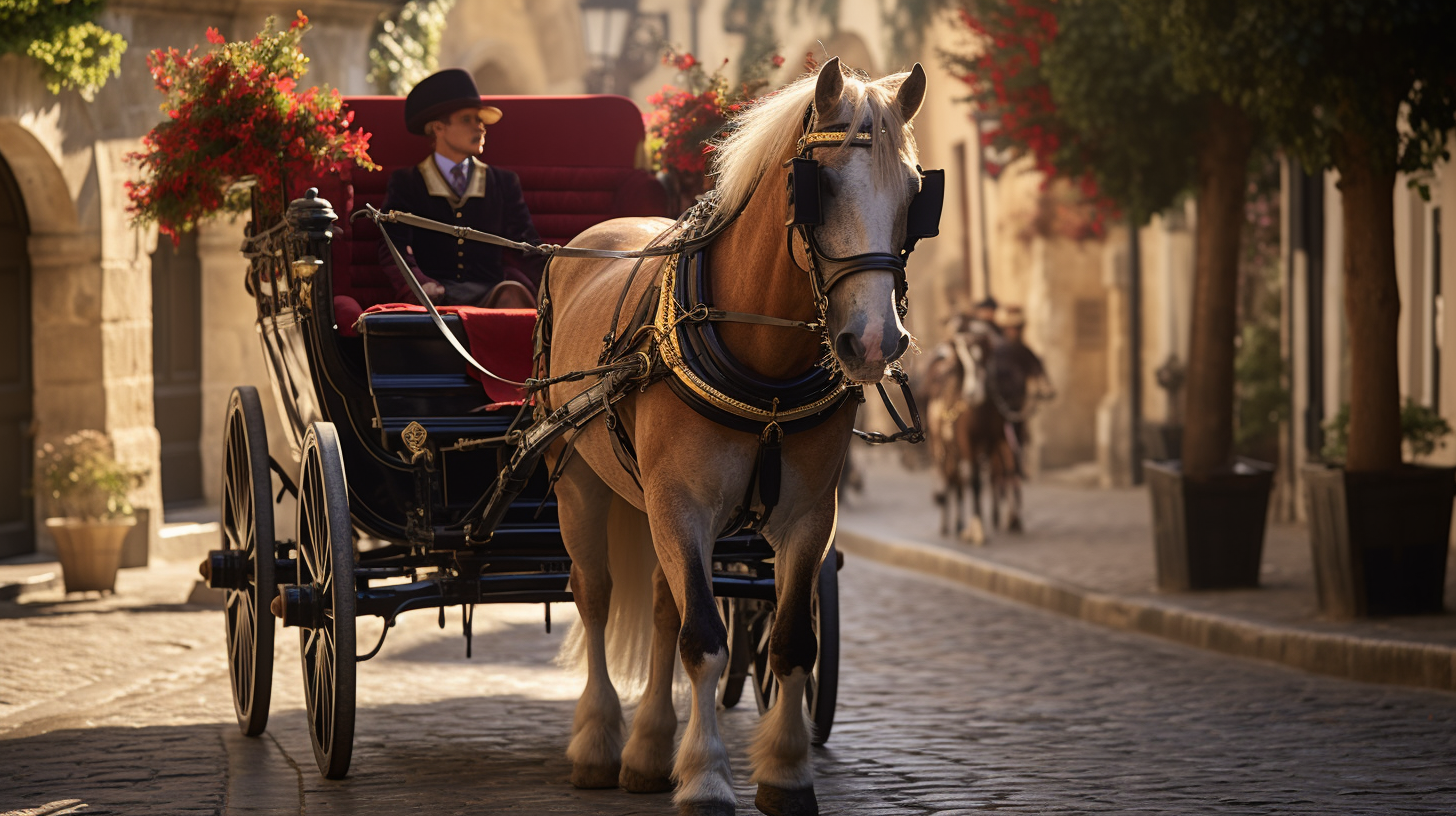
[[454, 187]]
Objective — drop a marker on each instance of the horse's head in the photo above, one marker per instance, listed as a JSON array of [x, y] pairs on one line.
[[863, 196]]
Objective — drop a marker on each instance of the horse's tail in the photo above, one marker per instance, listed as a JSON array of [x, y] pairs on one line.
[[631, 560]]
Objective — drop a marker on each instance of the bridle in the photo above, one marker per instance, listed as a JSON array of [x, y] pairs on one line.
[[922, 217]]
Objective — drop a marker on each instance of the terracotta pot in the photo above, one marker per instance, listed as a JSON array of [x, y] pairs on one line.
[[90, 551]]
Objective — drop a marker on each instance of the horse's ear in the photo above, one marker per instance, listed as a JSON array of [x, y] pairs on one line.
[[831, 85], [912, 93]]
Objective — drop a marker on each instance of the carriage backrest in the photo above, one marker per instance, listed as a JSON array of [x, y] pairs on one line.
[[577, 156]]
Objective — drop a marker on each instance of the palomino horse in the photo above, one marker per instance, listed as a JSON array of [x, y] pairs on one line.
[[649, 536], [966, 430]]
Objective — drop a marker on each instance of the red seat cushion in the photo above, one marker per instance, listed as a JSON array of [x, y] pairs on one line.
[[501, 340], [576, 156]]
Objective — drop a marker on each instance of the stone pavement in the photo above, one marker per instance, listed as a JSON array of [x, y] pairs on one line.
[[1088, 553], [952, 702]]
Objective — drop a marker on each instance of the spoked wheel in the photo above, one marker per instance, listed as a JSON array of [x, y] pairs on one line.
[[327, 593], [730, 685], [822, 689], [247, 540]]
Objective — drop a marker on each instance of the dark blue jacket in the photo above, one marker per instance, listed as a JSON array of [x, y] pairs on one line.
[[492, 203]]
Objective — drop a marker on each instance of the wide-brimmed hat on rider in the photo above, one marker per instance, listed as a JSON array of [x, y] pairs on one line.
[[441, 94]]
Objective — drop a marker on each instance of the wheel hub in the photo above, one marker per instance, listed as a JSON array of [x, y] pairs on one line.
[[299, 605], [227, 569]]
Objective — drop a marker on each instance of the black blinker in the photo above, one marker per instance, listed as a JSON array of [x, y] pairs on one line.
[[804, 209], [922, 220]]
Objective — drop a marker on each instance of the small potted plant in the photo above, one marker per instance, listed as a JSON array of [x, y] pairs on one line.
[[1379, 540], [86, 492]]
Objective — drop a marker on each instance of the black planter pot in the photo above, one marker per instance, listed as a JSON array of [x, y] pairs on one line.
[[1209, 533], [1380, 540], [1162, 441]]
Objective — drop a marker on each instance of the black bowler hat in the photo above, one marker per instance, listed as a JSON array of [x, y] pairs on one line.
[[988, 303], [441, 94]]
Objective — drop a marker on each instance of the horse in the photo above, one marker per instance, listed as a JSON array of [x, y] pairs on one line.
[[640, 527], [966, 431]]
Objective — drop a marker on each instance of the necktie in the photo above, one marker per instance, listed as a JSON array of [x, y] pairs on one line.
[[457, 175]]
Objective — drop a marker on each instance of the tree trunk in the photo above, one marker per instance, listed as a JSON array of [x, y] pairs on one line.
[[1372, 305], [1223, 163]]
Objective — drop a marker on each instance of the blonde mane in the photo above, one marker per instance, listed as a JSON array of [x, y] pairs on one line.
[[764, 135]]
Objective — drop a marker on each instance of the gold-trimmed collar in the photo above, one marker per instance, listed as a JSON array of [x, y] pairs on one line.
[[669, 314], [436, 185]]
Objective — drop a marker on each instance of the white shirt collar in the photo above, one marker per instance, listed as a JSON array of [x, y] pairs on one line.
[[446, 165]]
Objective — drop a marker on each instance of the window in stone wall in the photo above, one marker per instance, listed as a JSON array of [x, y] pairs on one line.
[[1090, 324]]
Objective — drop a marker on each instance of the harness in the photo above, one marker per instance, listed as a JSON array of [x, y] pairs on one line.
[[672, 336]]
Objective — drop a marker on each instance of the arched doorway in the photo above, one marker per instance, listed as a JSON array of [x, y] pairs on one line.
[[177, 368], [17, 534]]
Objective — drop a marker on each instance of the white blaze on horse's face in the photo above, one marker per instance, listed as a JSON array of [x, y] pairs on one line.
[[863, 214], [865, 331]]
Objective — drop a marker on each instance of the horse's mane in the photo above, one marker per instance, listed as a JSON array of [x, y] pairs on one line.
[[763, 136]]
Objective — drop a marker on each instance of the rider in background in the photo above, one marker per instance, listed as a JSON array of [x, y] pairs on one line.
[[454, 187], [985, 312], [1018, 374]]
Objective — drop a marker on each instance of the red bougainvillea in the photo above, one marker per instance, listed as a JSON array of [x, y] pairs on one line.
[[234, 114], [1004, 73]]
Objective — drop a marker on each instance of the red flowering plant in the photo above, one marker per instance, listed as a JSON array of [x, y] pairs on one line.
[[236, 114], [1008, 83], [684, 120]]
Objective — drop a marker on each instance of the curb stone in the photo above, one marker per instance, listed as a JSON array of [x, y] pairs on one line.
[[1364, 659]]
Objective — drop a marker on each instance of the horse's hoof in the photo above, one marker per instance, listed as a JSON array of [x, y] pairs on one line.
[[705, 809], [786, 802], [595, 776], [1015, 526], [639, 782]]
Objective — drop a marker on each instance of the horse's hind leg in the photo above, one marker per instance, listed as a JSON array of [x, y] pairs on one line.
[[647, 759], [596, 732], [976, 532]]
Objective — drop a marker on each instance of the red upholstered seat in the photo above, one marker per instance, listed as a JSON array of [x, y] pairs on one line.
[[501, 340], [576, 156]]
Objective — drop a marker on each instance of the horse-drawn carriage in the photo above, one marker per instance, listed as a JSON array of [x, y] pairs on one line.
[[398, 447], [419, 484]]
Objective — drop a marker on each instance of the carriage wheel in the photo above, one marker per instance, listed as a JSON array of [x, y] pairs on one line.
[[822, 690], [247, 528], [326, 577], [730, 685]]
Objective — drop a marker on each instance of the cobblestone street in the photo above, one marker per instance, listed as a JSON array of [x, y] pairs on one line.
[[951, 702]]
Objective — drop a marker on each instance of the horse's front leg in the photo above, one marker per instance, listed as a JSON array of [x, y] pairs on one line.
[[780, 754], [684, 534], [976, 533]]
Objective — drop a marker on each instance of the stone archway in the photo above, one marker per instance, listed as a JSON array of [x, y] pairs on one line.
[[67, 359]]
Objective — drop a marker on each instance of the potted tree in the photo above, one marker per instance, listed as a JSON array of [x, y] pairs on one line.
[[1077, 87], [1379, 539], [86, 492]]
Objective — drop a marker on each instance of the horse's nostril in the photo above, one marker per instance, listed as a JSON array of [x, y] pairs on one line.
[[849, 347], [901, 346]]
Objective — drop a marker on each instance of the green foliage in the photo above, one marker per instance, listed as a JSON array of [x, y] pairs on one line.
[[1421, 428], [1135, 128], [81, 478], [407, 45], [1317, 71], [61, 36]]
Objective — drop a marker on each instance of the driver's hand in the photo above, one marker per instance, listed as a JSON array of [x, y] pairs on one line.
[[433, 290]]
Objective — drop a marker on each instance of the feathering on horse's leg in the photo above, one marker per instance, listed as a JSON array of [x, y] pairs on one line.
[[647, 758], [597, 729], [780, 754]]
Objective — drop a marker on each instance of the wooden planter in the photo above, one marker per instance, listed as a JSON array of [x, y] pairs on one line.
[[1209, 533], [90, 552], [1380, 540]]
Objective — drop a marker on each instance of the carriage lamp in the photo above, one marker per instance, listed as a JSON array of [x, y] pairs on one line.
[[305, 267]]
